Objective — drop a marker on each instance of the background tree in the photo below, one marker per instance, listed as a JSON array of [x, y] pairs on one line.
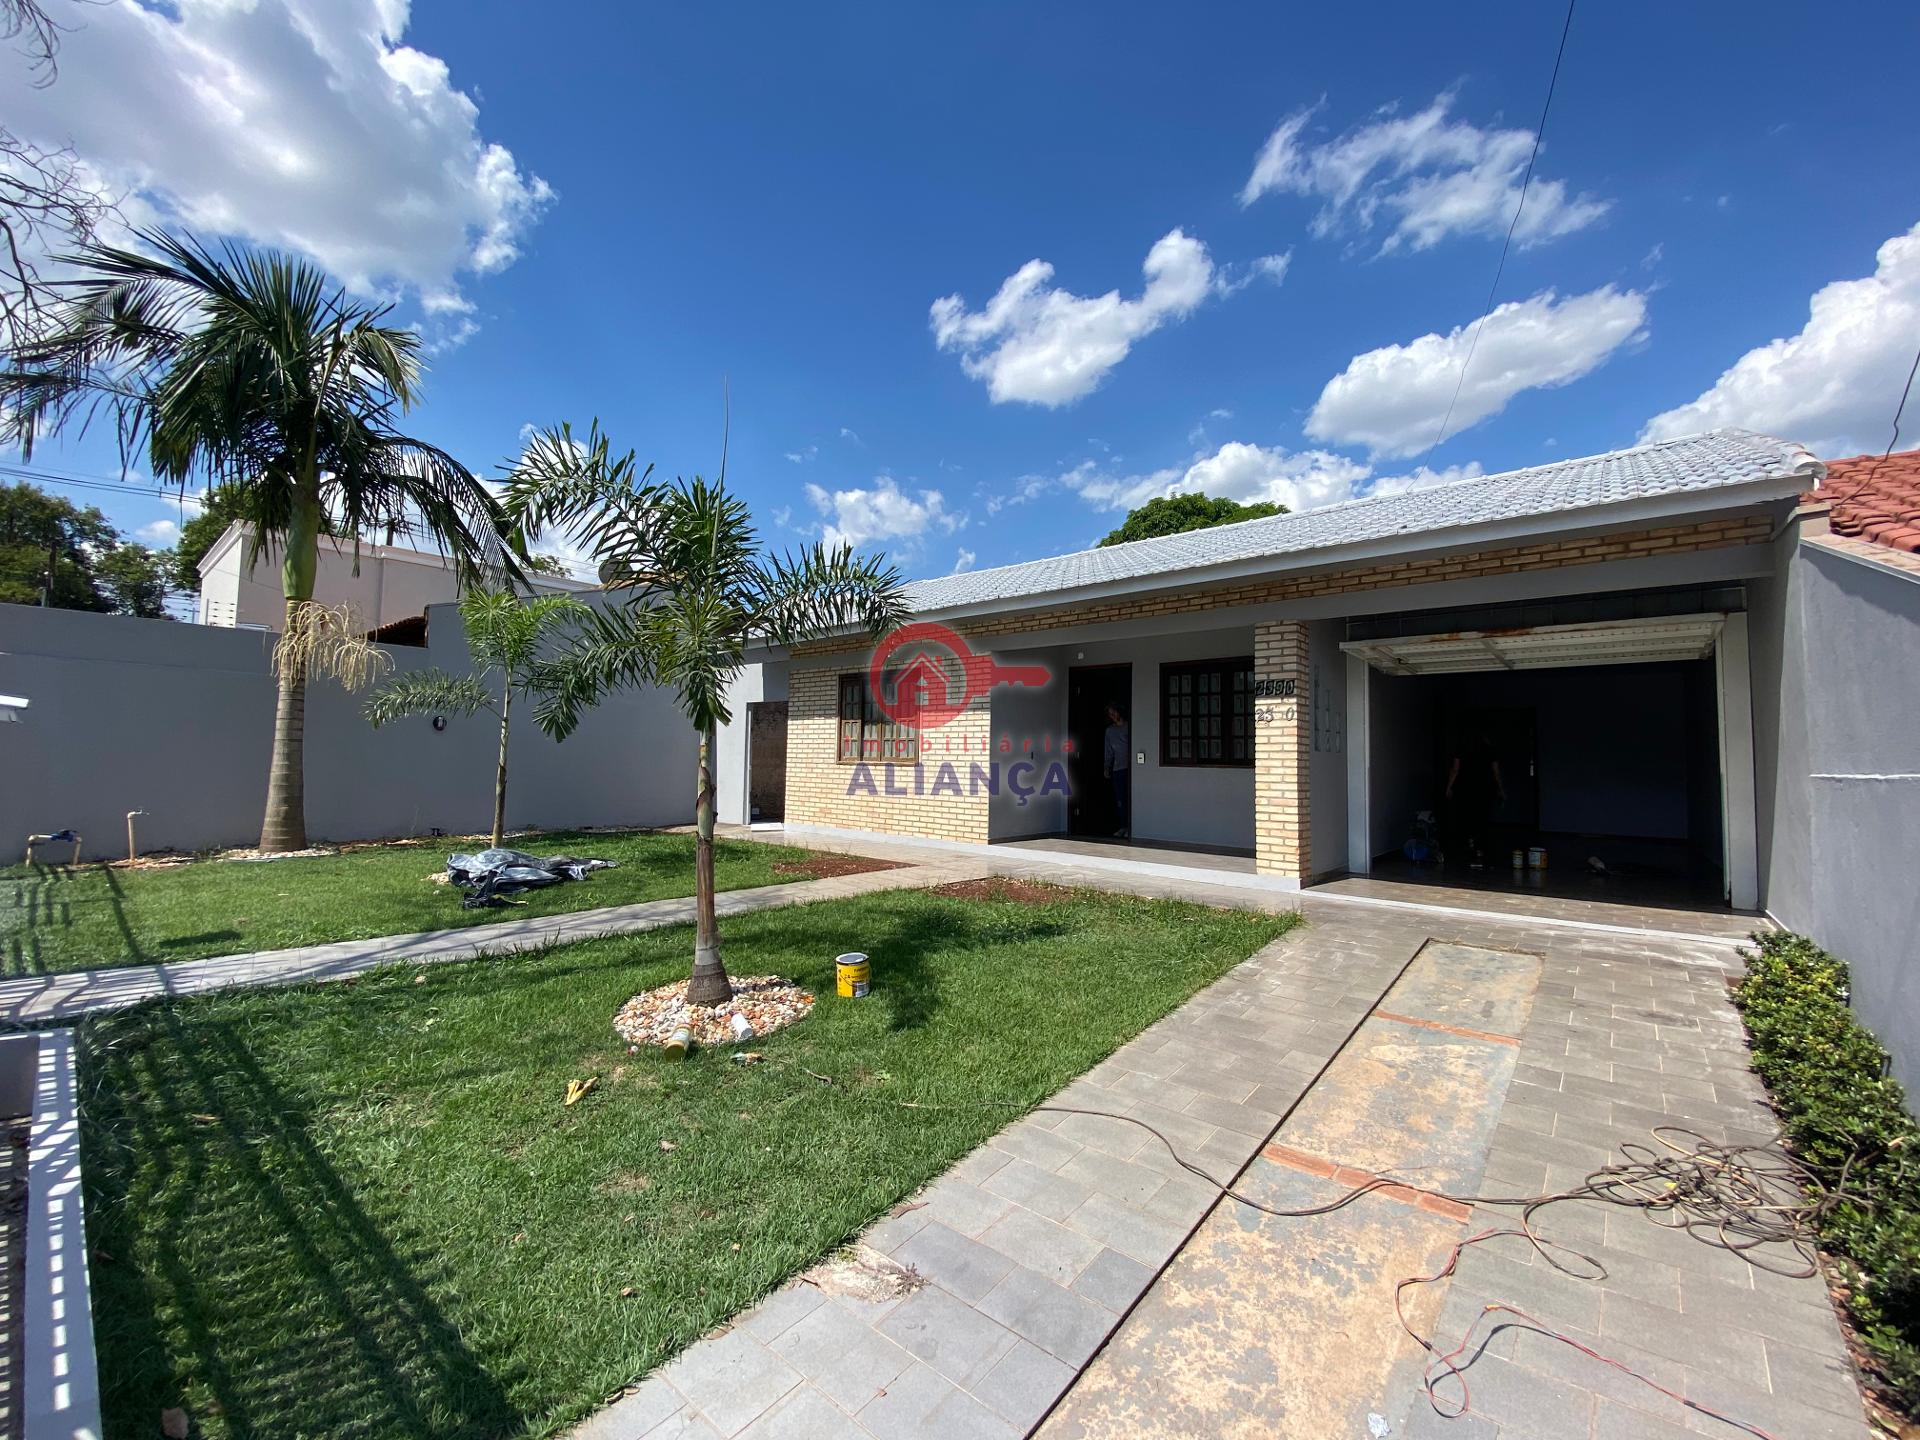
[[505, 635], [258, 373], [92, 568], [1189, 510], [219, 508], [692, 589], [47, 201]]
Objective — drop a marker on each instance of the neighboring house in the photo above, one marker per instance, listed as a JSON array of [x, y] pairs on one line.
[[1622, 632], [382, 583]]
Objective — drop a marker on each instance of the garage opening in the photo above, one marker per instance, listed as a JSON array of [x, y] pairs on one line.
[[1581, 759]]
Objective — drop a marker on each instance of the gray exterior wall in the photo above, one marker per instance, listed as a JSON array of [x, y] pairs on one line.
[[1836, 655], [177, 720]]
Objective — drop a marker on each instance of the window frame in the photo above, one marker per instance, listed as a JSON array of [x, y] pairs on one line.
[[1225, 667], [848, 683]]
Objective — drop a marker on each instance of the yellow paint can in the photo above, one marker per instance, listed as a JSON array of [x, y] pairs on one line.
[[853, 975]]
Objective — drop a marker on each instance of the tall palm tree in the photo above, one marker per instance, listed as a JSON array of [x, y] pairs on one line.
[[504, 634], [691, 589], [255, 371]]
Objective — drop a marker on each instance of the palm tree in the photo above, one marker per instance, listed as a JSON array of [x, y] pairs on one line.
[[504, 633], [691, 590], [257, 372]]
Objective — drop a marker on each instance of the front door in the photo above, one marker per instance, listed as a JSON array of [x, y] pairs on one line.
[[767, 762], [1091, 689]]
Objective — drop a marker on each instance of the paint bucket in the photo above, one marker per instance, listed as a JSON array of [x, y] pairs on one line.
[[1536, 857], [852, 975]]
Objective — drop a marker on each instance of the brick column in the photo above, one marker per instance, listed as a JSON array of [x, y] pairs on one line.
[[1282, 735]]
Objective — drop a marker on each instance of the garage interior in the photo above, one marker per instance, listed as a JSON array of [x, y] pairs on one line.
[[1603, 715]]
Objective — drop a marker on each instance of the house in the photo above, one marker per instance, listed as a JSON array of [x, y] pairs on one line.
[[1629, 635], [383, 584]]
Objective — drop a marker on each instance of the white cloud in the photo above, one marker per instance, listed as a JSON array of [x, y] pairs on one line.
[[1392, 400], [158, 532], [1299, 480], [963, 560], [1232, 279], [1043, 345], [1422, 177], [881, 512], [1834, 385], [303, 124], [801, 457]]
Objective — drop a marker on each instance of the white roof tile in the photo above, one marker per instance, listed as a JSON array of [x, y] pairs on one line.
[[1694, 463]]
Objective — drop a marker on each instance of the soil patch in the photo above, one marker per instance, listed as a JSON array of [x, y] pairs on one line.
[[826, 867], [998, 887]]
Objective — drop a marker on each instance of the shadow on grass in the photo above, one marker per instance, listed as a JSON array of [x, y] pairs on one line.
[[277, 1293], [39, 893], [900, 938]]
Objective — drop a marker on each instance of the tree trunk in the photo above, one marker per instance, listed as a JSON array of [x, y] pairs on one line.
[[709, 985], [500, 775], [285, 825]]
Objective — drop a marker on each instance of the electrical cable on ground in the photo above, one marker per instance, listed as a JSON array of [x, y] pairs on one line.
[[1735, 1197]]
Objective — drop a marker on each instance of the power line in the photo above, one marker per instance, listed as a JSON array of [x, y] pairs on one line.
[[89, 482], [1526, 179]]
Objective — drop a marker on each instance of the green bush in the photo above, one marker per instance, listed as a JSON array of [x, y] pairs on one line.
[[1847, 1119]]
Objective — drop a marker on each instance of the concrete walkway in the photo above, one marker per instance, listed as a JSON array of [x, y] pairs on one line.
[[1074, 1275], [65, 996]]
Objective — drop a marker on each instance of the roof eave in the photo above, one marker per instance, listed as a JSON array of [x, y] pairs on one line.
[[1523, 527]]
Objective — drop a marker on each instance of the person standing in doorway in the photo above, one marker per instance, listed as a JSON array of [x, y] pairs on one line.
[[1116, 760], [1474, 787]]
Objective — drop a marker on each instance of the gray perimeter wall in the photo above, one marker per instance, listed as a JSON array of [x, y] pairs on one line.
[[177, 720], [1836, 657]]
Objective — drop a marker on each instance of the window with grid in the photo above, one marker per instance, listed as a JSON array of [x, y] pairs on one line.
[[1206, 713], [866, 731]]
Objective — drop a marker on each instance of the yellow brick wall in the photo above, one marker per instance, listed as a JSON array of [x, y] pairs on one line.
[[817, 782], [1282, 737]]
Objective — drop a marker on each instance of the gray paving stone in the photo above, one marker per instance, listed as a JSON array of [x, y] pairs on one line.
[[963, 1266], [1132, 1232], [683, 1425], [948, 1334], [1039, 1147], [848, 1361], [964, 1209], [806, 1414], [1064, 1324], [1038, 1190], [1109, 1175], [923, 1406], [730, 1380], [635, 1414], [1041, 1245], [1024, 1384], [780, 1311], [1113, 1280]]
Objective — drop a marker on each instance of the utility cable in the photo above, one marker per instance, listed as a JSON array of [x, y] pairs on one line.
[[1473, 341]]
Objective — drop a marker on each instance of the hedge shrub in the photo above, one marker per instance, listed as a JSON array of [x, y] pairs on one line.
[[1845, 1116]]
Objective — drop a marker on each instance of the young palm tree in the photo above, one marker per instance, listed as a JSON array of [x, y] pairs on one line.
[[255, 371], [691, 589], [504, 634]]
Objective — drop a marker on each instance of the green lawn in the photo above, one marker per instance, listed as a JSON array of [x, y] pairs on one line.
[[56, 917], [362, 1209]]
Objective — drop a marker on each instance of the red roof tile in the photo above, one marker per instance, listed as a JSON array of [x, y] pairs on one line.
[[1874, 498]]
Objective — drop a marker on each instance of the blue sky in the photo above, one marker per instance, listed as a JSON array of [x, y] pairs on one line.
[[612, 211]]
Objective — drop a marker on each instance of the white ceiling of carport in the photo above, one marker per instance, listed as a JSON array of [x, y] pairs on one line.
[[1543, 647]]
